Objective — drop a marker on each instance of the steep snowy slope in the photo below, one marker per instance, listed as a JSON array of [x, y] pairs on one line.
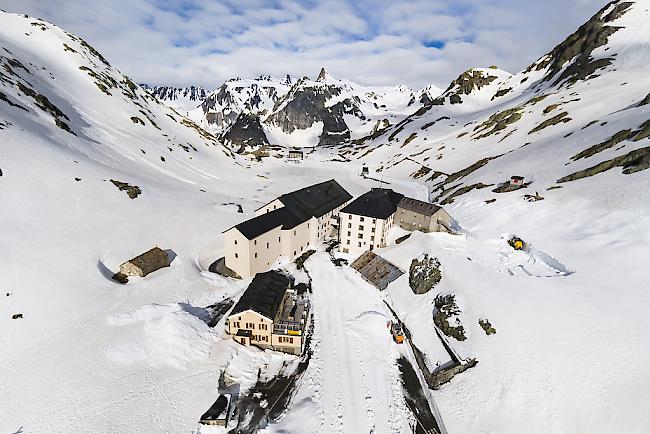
[[580, 106]]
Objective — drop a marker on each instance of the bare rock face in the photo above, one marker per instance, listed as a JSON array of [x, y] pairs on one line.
[[170, 93], [580, 45], [246, 131], [466, 83], [306, 104]]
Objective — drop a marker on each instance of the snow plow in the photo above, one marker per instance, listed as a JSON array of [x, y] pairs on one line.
[[517, 243], [396, 331]]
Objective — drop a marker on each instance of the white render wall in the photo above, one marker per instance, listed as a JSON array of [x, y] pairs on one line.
[[359, 233], [274, 204], [249, 257]]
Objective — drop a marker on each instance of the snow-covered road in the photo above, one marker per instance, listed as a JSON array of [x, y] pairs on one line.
[[353, 376]]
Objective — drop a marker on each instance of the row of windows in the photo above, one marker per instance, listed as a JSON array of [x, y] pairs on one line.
[[250, 325], [361, 218], [284, 339]]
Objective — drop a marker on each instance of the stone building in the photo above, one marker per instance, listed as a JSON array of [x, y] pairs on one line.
[[364, 223], [284, 227], [270, 315], [146, 263], [416, 215]]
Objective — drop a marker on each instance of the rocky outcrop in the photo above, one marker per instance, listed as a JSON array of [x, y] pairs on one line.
[[246, 131], [132, 191], [641, 133], [579, 46], [170, 93], [466, 83], [561, 118], [497, 122], [445, 316], [306, 104], [632, 162], [487, 327], [424, 274]]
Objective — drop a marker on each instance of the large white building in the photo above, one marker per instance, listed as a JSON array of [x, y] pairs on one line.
[[365, 222], [284, 227]]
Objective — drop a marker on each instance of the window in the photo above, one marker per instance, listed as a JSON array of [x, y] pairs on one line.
[[301, 248], [236, 256], [290, 340], [279, 239], [348, 242], [349, 226], [372, 238], [294, 232], [235, 242], [349, 234], [361, 219], [267, 245], [256, 254], [350, 216], [372, 230], [295, 253], [360, 236], [255, 242], [359, 244], [360, 227], [374, 220], [307, 225]]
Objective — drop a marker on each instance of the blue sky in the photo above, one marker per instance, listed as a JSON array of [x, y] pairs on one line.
[[373, 42]]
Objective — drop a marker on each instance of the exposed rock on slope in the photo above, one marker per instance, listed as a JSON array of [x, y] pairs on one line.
[[246, 131], [424, 274], [579, 47]]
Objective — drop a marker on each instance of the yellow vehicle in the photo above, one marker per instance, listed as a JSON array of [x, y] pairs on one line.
[[516, 243], [396, 331]]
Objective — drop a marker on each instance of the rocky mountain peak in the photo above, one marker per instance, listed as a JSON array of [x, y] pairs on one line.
[[324, 76]]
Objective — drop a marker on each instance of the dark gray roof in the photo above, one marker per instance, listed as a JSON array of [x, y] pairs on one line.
[[151, 260], [418, 206], [261, 224], [377, 203], [299, 206], [315, 200], [264, 294]]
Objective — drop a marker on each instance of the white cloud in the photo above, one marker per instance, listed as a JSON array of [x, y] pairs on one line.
[[374, 42]]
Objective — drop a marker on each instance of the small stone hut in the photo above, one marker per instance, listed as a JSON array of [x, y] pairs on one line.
[[146, 263]]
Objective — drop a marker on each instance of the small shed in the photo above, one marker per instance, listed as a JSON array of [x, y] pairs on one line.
[[146, 263], [296, 155], [365, 171], [517, 181], [219, 413]]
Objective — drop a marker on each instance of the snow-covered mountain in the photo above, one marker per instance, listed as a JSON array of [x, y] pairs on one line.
[[300, 112], [183, 99], [257, 96], [94, 170], [576, 112]]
